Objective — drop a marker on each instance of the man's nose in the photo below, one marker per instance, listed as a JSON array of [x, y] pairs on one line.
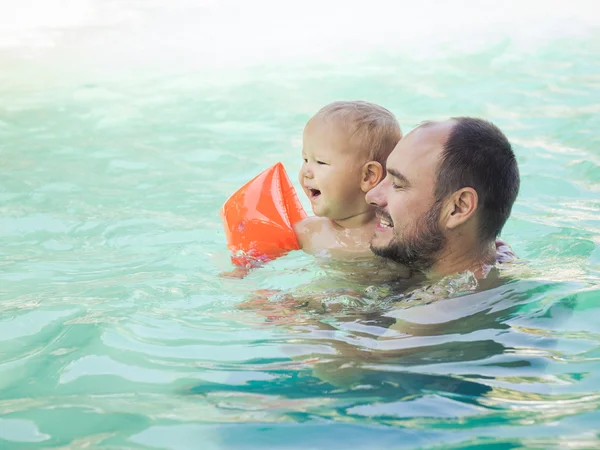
[[376, 196]]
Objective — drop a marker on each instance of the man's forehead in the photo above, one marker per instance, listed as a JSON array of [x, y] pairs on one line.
[[420, 149]]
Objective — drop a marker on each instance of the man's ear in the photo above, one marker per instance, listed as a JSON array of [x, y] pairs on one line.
[[460, 207], [372, 174]]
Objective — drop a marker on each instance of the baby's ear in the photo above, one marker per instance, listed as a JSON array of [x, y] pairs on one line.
[[372, 174]]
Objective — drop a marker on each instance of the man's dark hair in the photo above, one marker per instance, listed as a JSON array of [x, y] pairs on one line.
[[478, 155]]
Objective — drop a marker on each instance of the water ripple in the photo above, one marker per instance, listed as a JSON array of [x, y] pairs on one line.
[[116, 330]]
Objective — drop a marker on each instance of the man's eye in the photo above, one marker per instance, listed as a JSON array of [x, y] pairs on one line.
[[396, 186]]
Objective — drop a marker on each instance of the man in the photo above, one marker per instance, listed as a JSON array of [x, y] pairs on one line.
[[449, 190]]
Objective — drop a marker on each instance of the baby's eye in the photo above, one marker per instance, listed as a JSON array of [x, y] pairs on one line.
[[322, 163], [305, 160]]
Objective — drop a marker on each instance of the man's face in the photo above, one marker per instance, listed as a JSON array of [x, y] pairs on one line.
[[409, 229]]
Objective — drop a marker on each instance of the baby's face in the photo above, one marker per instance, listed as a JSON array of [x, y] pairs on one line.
[[331, 173]]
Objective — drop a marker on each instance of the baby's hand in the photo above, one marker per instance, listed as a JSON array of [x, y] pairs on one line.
[[238, 272], [273, 305]]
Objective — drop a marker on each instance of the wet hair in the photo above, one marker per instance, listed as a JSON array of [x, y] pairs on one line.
[[478, 155], [373, 129]]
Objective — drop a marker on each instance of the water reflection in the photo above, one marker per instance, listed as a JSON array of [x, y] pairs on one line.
[[483, 354]]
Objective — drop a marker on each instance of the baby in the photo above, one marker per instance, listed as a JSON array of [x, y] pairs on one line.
[[345, 147]]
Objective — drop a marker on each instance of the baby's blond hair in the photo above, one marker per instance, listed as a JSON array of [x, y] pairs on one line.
[[373, 129]]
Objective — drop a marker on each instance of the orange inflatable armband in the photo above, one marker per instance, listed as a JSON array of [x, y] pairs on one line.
[[259, 218]]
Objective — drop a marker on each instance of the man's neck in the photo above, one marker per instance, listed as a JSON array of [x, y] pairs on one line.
[[456, 260]]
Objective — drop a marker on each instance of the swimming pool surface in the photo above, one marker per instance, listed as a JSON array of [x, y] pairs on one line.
[[124, 126]]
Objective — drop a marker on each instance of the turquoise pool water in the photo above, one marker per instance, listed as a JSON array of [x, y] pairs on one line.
[[125, 126]]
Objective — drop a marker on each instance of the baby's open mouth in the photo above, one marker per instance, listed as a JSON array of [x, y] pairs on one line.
[[314, 192]]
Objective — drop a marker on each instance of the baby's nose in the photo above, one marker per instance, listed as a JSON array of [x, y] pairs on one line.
[[306, 172]]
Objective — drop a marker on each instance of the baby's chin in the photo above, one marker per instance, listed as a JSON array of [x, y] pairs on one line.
[[317, 211]]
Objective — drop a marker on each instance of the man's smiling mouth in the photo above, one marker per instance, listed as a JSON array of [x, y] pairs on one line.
[[384, 219], [385, 223]]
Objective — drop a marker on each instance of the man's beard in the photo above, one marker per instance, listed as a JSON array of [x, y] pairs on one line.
[[419, 249]]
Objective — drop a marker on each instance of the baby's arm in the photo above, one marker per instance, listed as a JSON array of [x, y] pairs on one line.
[[309, 233], [305, 231], [302, 232]]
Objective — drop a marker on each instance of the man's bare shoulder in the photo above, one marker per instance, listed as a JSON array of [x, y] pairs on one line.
[[504, 252]]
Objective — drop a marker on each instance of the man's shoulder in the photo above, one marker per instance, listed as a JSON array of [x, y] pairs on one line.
[[504, 252]]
